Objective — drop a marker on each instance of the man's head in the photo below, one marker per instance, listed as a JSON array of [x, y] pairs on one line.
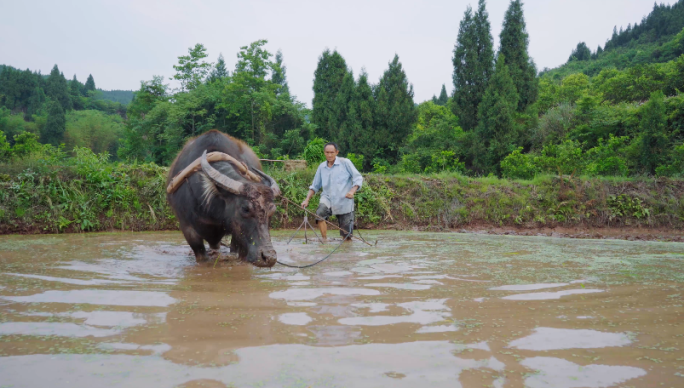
[[331, 150]]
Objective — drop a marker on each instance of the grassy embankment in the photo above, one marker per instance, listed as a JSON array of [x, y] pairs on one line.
[[87, 193]]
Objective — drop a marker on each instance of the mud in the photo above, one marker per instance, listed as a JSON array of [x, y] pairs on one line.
[[420, 309]]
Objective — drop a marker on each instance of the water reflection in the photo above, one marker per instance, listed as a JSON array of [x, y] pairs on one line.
[[418, 310]]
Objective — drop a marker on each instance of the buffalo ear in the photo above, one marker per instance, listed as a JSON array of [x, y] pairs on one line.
[[272, 183]]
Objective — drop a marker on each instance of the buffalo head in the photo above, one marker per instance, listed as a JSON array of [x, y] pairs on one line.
[[249, 207]]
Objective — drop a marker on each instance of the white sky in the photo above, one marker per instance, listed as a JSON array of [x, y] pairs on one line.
[[123, 42]]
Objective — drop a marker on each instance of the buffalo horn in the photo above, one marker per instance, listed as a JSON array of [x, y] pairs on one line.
[[225, 182], [274, 185]]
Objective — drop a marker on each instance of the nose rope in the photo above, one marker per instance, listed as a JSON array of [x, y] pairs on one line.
[[321, 260]]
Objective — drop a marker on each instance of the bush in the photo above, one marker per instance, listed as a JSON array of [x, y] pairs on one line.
[[356, 159], [564, 158], [518, 165], [445, 161], [606, 159]]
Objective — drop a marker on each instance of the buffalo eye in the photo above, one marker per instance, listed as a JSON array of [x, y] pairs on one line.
[[245, 209]]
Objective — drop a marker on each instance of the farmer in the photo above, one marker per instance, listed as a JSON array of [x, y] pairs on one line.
[[339, 180]]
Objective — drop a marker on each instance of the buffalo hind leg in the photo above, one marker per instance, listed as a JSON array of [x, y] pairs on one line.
[[196, 243]]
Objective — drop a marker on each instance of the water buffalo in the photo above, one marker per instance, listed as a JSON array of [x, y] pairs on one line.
[[230, 196]]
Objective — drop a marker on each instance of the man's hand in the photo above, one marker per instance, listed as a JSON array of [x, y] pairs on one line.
[[305, 204], [351, 192]]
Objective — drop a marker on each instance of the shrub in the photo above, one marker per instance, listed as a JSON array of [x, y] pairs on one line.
[[518, 165], [356, 159], [607, 158], [564, 158]]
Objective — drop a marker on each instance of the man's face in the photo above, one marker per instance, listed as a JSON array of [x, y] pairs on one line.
[[331, 153]]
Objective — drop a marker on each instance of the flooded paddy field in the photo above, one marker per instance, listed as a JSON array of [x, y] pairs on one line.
[[418, 310]]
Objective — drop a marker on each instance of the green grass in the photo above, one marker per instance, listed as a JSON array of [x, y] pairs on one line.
[[88, 193]]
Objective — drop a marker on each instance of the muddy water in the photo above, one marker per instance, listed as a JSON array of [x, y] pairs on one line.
[[418, 310]]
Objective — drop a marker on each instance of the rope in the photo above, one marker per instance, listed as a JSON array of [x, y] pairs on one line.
[[327, 222], [306, 221], [319, 261]]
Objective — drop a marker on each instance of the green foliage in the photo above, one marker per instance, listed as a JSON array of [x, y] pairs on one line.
[[328, 77], [514, 46], [675, 167], [626, 206], [89, 85], [495, 133], [518, 165], [314, 152], [219, 71], [580, 53], [654, 140], [608, 158], [445, 161], [357, 160], [394, 113], [5, 148], [93, 130], [565, 158], [473, 62], [191, 69], [55, 127], [25, 144]]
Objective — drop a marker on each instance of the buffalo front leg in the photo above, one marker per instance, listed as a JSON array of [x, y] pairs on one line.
[[196, 243]]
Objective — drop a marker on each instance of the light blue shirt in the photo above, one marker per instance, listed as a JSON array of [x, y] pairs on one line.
[[336, 181]]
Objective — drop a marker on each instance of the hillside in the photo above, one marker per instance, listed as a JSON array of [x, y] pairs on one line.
[[658, 38]]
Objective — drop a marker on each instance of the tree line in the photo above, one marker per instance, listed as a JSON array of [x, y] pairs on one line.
[[503, 118]]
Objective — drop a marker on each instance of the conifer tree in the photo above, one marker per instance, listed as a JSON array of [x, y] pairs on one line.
[[75, 89], [35, 103], [219, 71], [654, 140], [395, 111], [443, 97], [90, 84], [473, 64], [466, 99], [485, 47], [495, 134], [328, 79], [279, 75], [362, 136], [57, 89], [345, 112], [53, 132], [514, 46]]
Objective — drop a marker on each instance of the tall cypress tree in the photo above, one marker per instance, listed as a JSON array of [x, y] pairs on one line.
[[361, 139], [485, 48], [495, 134], [57, 89], [443, 97], [395, 110], [53, 132], [90, 84], [466, 99], [279, 75], [328, 79], [514, 46], [473, 64], [345, 112]]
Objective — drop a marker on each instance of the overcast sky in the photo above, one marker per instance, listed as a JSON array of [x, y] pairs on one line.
[[123, 42]]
